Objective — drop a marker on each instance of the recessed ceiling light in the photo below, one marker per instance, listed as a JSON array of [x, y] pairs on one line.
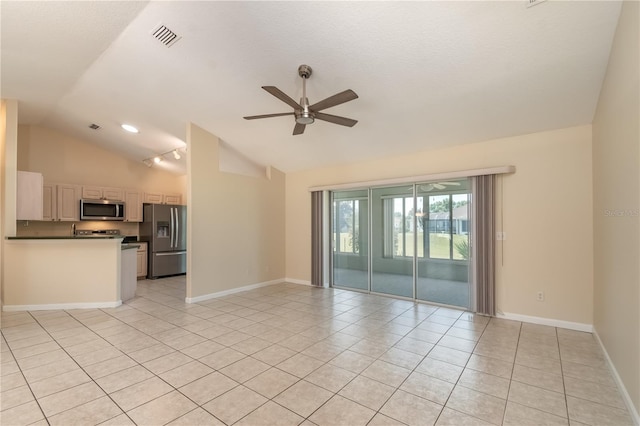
[[130, 128]]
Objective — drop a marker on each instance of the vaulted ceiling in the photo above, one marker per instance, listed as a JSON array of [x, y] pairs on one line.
[[428, 74]]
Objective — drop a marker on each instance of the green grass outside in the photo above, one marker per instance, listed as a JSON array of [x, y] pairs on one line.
[[439, 245]]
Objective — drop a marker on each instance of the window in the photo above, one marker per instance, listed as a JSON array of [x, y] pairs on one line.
[[398, 226], [346, 226], [446, 226]]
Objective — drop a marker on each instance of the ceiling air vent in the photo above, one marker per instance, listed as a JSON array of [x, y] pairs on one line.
[[530, 3], [164, 35], [94, 126]]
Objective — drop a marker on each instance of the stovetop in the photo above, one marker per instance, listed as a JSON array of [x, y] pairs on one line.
[[98, 232], [107, 232]]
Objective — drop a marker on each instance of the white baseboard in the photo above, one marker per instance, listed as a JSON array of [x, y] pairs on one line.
[[578, 326], [295, 281], [231, 291], [58, 306], [621, 387]]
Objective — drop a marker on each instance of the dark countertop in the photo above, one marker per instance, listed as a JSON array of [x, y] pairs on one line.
[[64, 237], [129, 246]]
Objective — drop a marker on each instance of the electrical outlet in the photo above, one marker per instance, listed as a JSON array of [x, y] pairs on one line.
[[501, 236], [540, 296]]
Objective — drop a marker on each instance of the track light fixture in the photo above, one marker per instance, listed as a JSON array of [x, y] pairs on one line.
[[161, 157]]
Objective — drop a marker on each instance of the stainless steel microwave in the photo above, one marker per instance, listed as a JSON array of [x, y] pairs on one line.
[[101, 210]]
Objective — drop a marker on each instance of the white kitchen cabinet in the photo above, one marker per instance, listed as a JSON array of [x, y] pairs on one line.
[[102, 193], [61, 202], [114, 194], [49, 202], [128, 277], [29, 196], [68, 202], [142, 260], [91, 192], [172, 199], [153, 197], [133, 206], [160, 198]]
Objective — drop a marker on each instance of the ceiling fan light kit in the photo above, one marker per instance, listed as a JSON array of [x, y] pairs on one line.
[[303, 112]]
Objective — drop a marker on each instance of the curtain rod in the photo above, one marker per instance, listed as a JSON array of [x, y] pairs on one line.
[[420, 178]]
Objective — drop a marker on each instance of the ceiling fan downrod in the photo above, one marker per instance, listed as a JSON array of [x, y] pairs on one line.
[[305, 116]]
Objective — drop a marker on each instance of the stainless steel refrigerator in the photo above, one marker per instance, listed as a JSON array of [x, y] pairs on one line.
[[164, 228]]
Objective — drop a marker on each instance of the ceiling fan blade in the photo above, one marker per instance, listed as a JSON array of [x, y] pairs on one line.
[[253, 117], [282, 96], [439, 186], [299, 129], [340, 98], [343, 121], [450, 183]]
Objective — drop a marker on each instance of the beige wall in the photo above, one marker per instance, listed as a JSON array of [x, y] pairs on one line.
[[65, 159], [3, 136], [10, 153], [8, 177], [547, 215], [616, 176], [235, 223], [29, 280]]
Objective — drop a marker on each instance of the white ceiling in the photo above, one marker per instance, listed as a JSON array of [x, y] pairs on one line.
[[428, 74]]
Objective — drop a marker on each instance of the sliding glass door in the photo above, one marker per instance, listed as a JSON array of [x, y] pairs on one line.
[[409, 240], [393, 240], [442, 273], [350, 239]]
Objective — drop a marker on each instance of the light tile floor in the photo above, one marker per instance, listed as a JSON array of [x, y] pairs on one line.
[[289, 354]]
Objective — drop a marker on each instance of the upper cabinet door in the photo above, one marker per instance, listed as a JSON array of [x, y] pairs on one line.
[[29, 196], [113, 194], [91, 192], [133, 206], [172, 199], [69, 202], [49, 202], [159, 198], [102, 193], [153, 198]]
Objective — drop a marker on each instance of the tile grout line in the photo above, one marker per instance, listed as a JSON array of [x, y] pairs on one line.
[[463, 368], [25, 379], [513, 367], [81, 368], [303, 378]]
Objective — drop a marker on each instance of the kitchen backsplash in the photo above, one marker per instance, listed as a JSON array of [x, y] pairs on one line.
[[36, 228]]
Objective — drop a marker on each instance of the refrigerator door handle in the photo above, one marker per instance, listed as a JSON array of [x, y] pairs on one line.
[[171, 229], [172, 253], [177, 227]]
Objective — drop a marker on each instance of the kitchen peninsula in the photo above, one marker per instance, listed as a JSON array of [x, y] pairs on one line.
[[63, 272]]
